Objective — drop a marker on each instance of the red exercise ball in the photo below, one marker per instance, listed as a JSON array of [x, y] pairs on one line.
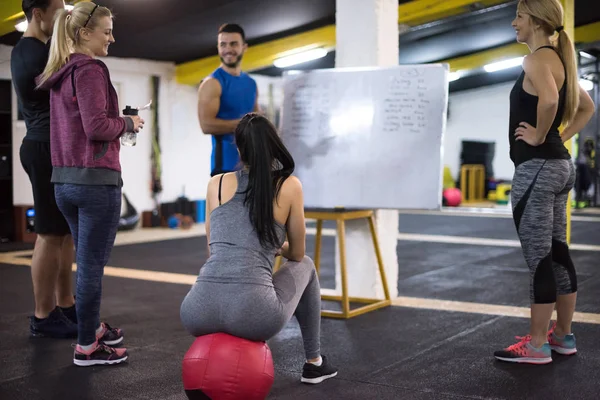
[[452, 197], [225, 367]]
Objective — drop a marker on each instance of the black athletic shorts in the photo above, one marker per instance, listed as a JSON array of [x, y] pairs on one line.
[[36, 161]]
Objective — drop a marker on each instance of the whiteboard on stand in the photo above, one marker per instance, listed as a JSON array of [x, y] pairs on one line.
[[367, 137]]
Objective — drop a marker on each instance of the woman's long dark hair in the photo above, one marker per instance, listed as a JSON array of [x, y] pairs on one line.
[[269, 164]]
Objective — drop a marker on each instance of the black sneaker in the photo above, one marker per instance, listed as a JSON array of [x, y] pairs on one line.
[[110, 336], [101, 354], [56, 325], [71, 313], [313, 374]]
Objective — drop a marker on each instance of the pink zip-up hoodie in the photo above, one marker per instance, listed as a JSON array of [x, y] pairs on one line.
[[85, 125]]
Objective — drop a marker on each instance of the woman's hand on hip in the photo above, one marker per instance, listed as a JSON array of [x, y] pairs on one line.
[[527, 134]]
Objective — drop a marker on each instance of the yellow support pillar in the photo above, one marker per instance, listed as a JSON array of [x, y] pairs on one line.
[[569, 26]]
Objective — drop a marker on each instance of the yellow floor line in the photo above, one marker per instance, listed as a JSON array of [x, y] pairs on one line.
[[490, 213], [408, 302], [417, 237], [15, 260], [144, 275], [482, 308], [162, 234], [129, 273], [21, 253]]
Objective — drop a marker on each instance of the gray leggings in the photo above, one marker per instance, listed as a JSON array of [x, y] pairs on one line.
[[539, 201], [258, 312]]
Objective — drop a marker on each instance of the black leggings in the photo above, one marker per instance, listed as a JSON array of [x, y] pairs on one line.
[[539, 193]]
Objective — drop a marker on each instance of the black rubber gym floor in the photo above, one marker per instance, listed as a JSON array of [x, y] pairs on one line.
[[394, 353]]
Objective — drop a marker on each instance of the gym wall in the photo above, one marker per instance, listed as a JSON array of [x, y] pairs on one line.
[[131, 78], [185, 149], [481, 115]]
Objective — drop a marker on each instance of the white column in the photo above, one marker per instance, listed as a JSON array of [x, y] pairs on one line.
[[367, 35]]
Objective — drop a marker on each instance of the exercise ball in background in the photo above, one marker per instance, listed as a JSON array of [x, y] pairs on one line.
[[225, 367], [452, 197]]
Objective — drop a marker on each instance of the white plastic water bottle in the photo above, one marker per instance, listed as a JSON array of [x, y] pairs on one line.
[[129, 138]]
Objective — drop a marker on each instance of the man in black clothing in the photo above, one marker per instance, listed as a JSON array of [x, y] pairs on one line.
[[55, 314]]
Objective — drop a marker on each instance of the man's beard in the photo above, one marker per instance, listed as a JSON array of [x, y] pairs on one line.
[[234, 64]]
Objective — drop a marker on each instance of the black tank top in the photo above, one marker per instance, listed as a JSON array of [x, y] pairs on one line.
[[523, 107]]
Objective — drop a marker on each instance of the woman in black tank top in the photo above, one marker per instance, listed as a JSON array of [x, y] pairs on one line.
[[546, 96]]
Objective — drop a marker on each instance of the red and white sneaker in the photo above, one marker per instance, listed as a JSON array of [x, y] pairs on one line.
[[99, 354]]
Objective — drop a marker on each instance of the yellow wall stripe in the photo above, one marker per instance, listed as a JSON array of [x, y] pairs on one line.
[[485, 309], [402, 301], [420, 12], [482, 58], [262, 56], [11, 13]]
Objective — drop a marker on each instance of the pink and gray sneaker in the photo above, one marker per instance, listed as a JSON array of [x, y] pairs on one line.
[[565, 345], [99, 354], [524, 352], [109, 336]]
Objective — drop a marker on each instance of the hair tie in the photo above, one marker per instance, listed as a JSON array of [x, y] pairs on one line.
[[560, 28]]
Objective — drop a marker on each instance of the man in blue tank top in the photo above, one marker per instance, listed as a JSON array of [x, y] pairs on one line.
[[225, 97]]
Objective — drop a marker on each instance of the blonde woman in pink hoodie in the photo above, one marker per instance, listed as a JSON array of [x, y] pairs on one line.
[[85, 127]]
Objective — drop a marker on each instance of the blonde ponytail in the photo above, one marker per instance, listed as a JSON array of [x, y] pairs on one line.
[[567, 54], [66, 33], [549, 14], [59, 46]]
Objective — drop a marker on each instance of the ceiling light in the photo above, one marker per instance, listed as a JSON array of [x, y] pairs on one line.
[[500, 65], [300, 58], [453, 76], [402, 28], [587, 55], [586, 84], [21, 26]]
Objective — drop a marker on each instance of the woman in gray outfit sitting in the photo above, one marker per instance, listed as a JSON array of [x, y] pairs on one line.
[[249, 212]]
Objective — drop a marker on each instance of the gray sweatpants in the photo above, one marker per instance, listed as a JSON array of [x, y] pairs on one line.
[[258, 312], [539, 199]]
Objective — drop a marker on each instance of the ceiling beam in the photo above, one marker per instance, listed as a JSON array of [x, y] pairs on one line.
[[479, 59], [583, 34], [420, 12], [11, 13], [262, 55], [411, 13], [587, 33]]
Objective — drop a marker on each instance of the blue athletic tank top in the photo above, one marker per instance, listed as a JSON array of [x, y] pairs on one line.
[[236, 255], [238, 94], [523, 107]]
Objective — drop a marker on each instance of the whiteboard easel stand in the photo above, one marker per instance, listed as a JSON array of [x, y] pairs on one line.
[[341, 215]]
